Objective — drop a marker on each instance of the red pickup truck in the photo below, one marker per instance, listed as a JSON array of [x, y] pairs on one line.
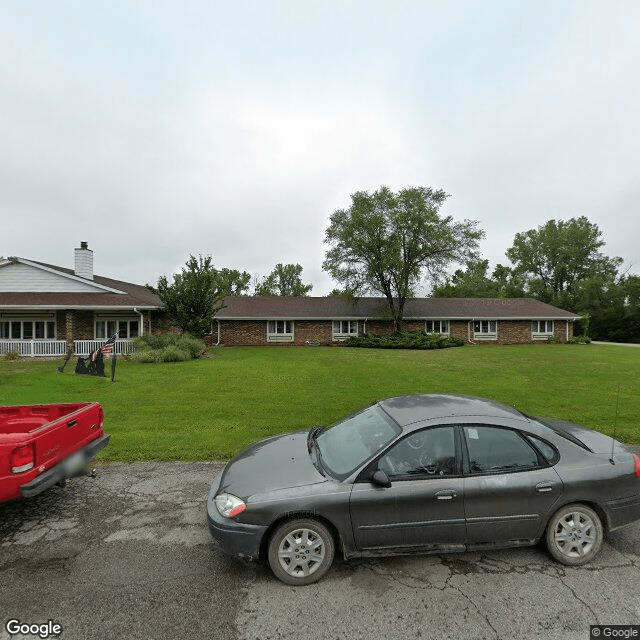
[[42, 445]]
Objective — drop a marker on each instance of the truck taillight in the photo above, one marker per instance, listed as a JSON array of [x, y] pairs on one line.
[[22, 459], [636, 462]]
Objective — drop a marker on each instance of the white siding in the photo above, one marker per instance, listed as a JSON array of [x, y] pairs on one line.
[[18, 278]]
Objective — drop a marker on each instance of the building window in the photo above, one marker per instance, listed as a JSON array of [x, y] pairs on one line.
[[126, 329], [436, 326], [485, 330], [280, 331], [343, 329], [28, 330], [541, 329]]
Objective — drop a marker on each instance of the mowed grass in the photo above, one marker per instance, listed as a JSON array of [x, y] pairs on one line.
[[210, 409]]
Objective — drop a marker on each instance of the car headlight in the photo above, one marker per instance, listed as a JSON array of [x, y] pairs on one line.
[[229, 506]]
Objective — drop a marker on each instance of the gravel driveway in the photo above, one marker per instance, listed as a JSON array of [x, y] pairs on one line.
[[127, 554]]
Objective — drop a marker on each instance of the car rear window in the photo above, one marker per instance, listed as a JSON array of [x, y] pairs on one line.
[[540, 422]]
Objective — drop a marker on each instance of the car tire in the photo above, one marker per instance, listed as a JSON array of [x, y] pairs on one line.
[[574, 534], [301, 551]]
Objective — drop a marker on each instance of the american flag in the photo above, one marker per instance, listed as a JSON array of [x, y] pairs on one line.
[[107, 347]]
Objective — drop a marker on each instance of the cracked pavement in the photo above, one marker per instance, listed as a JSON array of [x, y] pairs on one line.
[[128, 554]]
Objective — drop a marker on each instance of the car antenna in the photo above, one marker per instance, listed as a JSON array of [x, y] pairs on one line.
[[615, 426]]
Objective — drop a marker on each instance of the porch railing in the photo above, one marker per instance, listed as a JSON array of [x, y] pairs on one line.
[[85, 347], [33, 348]]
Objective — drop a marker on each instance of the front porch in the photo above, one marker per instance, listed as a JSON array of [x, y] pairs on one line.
[[55, 348]]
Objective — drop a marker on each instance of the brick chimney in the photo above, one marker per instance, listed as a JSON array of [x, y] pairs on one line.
[[84, 261]]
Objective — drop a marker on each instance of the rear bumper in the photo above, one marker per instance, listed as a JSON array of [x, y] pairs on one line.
[[72, 466], [623, 511], [234, 538]]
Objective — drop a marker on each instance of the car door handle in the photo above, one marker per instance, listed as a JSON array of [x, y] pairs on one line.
[[446, 494], [544, 487]]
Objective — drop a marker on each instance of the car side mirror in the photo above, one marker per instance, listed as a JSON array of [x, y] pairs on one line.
[[381, 479]]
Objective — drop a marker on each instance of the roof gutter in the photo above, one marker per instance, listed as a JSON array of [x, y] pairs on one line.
[[83, 307], [417, 318]]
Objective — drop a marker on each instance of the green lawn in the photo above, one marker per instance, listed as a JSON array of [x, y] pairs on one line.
[[209, 409]]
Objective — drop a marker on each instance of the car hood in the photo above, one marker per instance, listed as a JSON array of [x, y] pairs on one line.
[[281, 462]]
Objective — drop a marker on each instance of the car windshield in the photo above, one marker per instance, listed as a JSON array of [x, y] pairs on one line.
[[348, 444]]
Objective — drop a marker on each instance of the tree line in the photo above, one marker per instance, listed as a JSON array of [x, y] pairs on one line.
[[389, 243]]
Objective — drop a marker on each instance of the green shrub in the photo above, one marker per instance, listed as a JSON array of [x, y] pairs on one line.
[[145, 355], [580, 340], [405, 340], [173, 353], [191, 345], [168, 347]]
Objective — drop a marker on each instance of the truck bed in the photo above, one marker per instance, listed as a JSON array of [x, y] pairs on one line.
[[41, 445]]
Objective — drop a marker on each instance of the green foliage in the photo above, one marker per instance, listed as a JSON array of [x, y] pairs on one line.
[[579, 340], [474, 282], [385, 242], [404, 340], [147, 356], [191, 345], [167, 347], [173, 353], [12, 355], [284, 280], [195, 295], [560, 258]]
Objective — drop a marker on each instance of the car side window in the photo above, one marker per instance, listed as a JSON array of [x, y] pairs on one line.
[[495, 450], [423, 454]]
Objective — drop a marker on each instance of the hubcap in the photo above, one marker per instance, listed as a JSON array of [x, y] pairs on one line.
[[575, 534], [301, 552]]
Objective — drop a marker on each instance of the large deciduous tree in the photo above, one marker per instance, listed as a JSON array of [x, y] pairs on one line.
[[559, 257], [196, 293], [385, 242], [284, 280]]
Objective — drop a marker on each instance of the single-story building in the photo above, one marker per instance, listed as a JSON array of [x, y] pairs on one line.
[[46, 309], [256, 320]]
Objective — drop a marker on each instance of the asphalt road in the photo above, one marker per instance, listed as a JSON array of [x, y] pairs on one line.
[[127, 554]]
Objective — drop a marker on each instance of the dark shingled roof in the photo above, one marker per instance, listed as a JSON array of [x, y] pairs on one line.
[[134, 295], [303, 308]]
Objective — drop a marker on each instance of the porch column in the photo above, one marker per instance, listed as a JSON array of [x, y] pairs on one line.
[[69, 329]]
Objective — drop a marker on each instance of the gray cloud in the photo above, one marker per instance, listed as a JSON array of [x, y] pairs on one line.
[[153, 132]]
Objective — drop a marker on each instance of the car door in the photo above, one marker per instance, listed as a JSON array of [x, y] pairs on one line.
[[423, 507], [509, 487]]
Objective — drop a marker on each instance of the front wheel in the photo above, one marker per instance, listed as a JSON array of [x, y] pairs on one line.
[[574, 534], [301, 551]]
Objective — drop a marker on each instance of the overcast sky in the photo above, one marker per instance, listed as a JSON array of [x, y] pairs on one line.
[[155, 129]]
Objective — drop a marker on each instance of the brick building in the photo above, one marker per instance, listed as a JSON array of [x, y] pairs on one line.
[[278, 320], [46, 309]]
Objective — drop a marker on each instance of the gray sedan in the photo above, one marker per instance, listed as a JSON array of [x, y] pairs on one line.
[[423, 474]]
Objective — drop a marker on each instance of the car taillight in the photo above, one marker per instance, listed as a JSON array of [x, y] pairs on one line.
[[22, 459], [636, 462]]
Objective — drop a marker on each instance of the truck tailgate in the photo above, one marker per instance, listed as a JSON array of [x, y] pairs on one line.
[[45, 445]]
